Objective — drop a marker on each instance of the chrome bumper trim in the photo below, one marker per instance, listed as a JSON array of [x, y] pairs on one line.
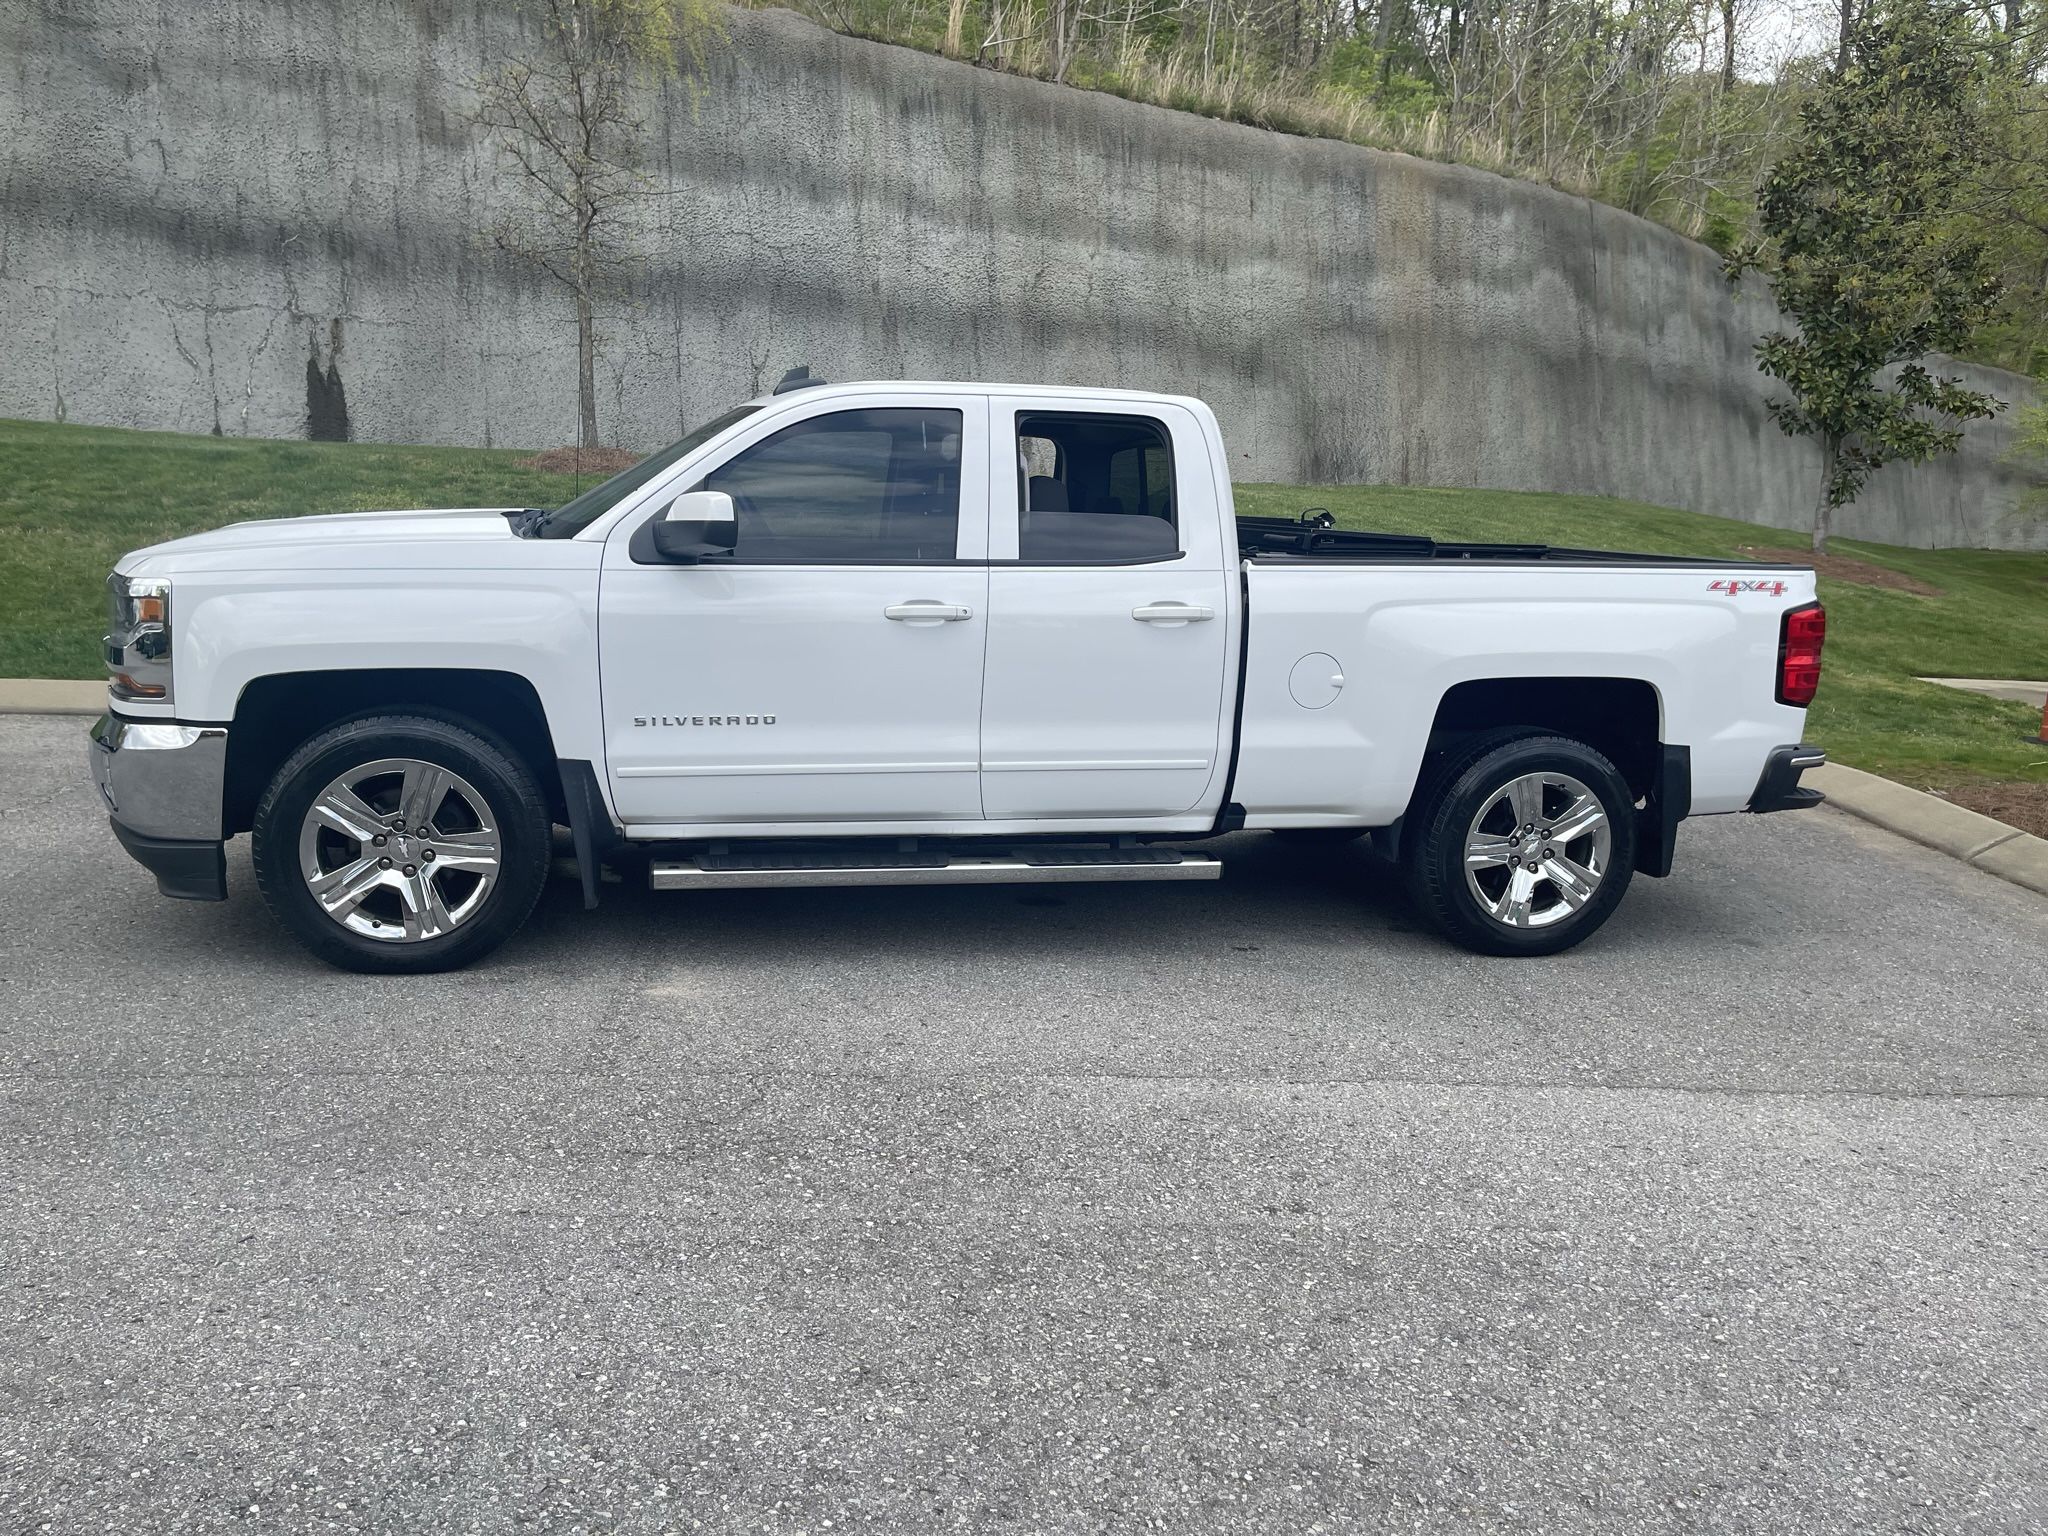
[[159, 778]]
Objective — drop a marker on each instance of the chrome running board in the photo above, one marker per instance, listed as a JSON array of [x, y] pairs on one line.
[[1037, 866]]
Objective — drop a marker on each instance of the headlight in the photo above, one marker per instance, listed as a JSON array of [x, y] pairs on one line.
[[139, 638]]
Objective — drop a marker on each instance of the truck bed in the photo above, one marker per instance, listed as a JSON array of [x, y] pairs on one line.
[[1354, 649], [1314, 536]]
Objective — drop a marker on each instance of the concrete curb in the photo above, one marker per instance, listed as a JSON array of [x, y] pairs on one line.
[[1962, 834], [46, 696]]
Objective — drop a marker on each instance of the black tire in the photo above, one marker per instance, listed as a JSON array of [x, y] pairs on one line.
[[1320, 837], [517, 808], [1465, 783]]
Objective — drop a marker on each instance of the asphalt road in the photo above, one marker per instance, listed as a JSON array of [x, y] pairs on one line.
[[1236, 1208]]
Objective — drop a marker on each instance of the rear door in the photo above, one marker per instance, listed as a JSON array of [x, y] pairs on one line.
[[828, 669], [1109, 613]]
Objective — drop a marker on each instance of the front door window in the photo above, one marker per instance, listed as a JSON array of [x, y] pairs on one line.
[[868, 486]]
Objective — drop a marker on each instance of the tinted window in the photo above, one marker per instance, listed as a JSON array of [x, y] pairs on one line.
[[1094, 488], [852, 485], [1141, 479], [570, 520]]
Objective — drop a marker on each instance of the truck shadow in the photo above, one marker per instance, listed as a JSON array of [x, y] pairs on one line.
[[1269, 892], [1272, 896]]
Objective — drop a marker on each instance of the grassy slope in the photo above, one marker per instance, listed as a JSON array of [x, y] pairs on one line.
[[72, 499]]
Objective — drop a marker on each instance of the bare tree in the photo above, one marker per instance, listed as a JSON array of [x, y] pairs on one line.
[[1062, 22], [562, 110]]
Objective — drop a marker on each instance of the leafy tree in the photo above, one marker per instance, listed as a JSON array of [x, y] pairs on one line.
[[2011, 197], [562, 110], [1864, 248]]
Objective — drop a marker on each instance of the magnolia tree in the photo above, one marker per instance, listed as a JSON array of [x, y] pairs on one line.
[[562, 110], [1867, 249]]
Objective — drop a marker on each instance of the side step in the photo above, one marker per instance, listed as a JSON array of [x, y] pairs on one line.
[[1025, 866]]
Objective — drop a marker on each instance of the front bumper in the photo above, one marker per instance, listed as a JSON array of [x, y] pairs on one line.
[[163, 785], [1778, 789]]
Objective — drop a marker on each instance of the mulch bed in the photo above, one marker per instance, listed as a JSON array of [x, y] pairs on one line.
[[2017, 805], [1842, 568], [581, 461]]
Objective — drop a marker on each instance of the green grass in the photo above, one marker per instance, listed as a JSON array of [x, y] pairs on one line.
[[73, 499]]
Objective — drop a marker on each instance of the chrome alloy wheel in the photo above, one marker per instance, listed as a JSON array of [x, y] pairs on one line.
[[400, 850], [1537, 850]]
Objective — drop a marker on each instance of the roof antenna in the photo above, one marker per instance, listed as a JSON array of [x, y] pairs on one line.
[[796, 378]]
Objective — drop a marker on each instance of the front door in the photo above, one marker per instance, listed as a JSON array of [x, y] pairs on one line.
[[829, 668], [1109, 616]]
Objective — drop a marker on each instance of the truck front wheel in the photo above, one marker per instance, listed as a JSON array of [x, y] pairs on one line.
[[401, 843], [1521, 845]]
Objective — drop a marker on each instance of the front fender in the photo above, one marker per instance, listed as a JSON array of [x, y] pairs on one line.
[[541, 625]]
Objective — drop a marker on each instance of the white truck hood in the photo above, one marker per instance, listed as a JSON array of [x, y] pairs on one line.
[[291, 540]]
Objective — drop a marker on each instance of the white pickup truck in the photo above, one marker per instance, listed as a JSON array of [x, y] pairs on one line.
[[894, 633]]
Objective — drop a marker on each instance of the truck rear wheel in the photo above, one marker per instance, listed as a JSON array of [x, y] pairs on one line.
[[402, 843], [1521, 845]]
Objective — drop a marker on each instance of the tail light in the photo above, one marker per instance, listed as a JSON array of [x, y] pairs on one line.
[[1800, 637]]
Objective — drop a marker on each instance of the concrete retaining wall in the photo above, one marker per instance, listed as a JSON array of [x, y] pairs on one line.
[[200, 199]]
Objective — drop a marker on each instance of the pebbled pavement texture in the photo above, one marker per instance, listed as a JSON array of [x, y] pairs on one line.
[[1234, 1208]]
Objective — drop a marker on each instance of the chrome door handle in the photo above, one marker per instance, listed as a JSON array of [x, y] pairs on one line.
[[923, 610], [1172, 613]]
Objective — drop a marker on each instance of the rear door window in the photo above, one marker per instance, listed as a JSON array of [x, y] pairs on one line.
[[1095, 489]]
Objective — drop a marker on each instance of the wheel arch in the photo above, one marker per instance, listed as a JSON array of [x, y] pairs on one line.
[[1621, 717], [276, 712]]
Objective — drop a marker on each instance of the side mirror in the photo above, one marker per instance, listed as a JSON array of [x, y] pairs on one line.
[[694, 525]]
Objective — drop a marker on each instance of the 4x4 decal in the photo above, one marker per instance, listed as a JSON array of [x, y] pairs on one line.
[[1770, 588]]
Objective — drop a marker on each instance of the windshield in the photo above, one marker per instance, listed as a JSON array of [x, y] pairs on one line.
[[568, 521]]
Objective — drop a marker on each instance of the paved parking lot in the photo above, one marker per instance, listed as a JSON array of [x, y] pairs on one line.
[[1242, 1207]]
